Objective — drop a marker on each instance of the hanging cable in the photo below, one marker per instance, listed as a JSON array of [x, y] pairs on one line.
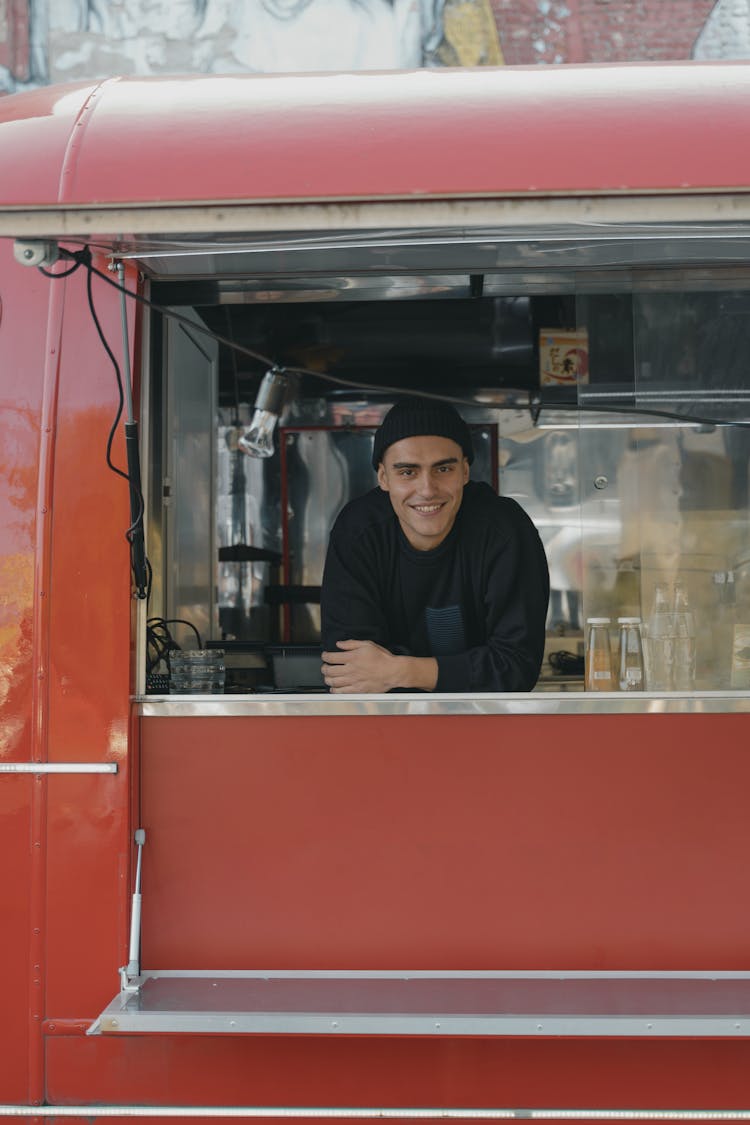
[[135, 531], [535, 403], [134, 534]]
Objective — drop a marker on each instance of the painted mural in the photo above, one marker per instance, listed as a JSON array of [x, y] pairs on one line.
[[726, 34], [44, 41], [47, 41]]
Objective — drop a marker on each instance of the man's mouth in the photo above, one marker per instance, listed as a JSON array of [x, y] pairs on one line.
[[426, 509]]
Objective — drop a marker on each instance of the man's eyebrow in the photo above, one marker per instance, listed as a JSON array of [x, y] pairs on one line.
[[417, 465]]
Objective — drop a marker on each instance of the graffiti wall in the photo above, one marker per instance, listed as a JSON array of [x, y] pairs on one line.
[[43, 41]]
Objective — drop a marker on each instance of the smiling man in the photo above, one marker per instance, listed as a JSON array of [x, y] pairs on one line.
[[432, 582]]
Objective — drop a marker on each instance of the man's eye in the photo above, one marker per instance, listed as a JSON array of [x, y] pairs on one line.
[[445, 468]]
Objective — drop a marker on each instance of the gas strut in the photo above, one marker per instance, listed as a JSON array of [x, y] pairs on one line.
[[135, 534], [134, 968]]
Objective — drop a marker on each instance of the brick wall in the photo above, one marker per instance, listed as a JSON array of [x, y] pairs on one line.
[[550, 31], [14, 41]]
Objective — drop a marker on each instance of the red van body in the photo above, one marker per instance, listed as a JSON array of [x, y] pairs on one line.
[[537, 909]]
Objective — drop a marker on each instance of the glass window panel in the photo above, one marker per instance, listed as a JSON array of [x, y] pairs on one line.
[[664, 455]]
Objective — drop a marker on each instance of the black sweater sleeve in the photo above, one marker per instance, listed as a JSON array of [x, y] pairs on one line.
[[351, 603], [510, 568]]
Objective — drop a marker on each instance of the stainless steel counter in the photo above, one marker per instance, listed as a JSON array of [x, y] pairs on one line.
[[533, 703]]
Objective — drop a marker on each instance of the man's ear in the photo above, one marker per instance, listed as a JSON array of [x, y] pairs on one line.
[[382, 479], [467, 470]]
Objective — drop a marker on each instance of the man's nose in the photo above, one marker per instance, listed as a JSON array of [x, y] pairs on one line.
[[426, 484]]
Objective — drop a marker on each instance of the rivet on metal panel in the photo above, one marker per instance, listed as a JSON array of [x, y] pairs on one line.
[[600, 481]]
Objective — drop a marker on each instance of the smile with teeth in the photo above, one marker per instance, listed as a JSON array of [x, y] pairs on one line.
[[426, 509]]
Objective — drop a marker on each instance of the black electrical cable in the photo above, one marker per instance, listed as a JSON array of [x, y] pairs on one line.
[[178, 621], [83, 258], [137, 521], [535, 404], [118, 378], [60, 273], [160, 640], [149, 580]]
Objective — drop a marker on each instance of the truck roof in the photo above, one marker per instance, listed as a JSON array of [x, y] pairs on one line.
[[428, 134]]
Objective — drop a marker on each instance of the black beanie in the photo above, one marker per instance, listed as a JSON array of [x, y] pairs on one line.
[[413, 417]]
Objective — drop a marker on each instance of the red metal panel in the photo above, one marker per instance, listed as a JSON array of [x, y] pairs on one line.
[[475, 842], [88, 705], [22, 345], [409, 135], [207, 1070], [64, 667], [35, 131]]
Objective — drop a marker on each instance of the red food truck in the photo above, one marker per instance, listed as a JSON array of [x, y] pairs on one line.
[[240, 895]]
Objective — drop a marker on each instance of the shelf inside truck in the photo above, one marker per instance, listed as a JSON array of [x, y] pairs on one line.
[[694, 1005]]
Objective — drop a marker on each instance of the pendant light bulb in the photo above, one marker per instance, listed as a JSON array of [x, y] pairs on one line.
[[257, 440]]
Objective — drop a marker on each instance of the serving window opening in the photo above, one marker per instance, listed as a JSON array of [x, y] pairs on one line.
[[610, 403]]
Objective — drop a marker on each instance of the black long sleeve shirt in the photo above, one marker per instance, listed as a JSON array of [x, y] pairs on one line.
[[477, 602]]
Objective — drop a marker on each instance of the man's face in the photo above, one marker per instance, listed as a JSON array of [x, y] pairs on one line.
[[424, 477]]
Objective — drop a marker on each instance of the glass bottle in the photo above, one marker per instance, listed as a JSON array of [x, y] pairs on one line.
[[683, 675], [598, 655], [631, 654], [660, 642], [722, 630]]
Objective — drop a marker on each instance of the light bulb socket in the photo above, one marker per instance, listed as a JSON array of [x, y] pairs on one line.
[[271, 391]]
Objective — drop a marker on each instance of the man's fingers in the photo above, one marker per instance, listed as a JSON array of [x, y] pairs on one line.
[[357, 666], [335, 674], [331, 674]]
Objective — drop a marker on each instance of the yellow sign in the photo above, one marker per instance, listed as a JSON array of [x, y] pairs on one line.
[[563, 356]]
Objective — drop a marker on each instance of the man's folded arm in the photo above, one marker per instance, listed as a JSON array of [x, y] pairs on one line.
[[349, 604], [516, 600]]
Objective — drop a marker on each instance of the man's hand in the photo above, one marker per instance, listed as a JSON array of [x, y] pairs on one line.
[[363, 666], [359, 666]]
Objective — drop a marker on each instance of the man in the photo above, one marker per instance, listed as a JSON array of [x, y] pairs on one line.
[[432, 582]]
